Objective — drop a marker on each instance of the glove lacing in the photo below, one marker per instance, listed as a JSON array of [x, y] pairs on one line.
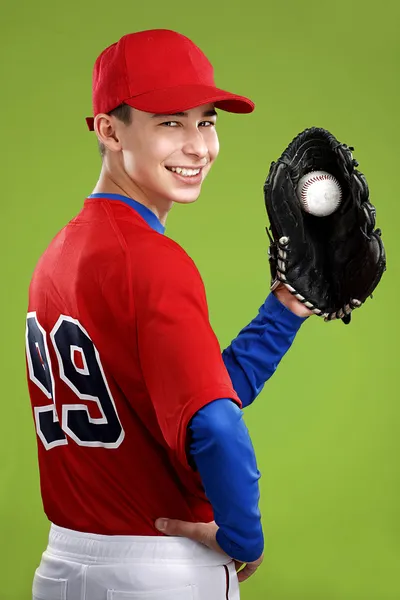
[[280, 266]]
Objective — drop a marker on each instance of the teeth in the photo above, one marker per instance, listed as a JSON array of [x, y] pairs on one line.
[[185, 172]]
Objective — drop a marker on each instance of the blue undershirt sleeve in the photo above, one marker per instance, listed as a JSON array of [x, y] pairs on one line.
[[220, 444], [255, 353], [222, 451]]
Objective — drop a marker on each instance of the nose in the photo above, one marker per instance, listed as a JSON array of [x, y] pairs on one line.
[[195, 144]]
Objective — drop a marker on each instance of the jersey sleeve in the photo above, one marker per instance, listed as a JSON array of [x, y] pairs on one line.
[[179, 353]]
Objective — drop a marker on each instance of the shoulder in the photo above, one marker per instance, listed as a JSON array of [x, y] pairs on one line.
[[160, 257], [167, 281], [169, 253]]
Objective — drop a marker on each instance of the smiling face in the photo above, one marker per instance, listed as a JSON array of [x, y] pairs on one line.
[[168, 156]]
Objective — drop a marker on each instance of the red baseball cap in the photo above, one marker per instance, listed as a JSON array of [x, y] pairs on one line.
[[158, 71]]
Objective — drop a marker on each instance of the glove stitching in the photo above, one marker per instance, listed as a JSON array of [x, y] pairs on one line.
[[283, 248]]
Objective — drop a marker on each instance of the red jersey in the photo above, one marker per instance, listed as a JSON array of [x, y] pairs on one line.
[[120, 356]]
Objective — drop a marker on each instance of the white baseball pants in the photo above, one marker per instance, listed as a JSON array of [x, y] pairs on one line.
[[82, 566]]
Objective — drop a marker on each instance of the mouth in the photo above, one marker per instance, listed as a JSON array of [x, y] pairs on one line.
[[187, 175], [185, 171]]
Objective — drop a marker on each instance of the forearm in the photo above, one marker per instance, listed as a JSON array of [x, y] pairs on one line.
[[223, 453], [255, 353]]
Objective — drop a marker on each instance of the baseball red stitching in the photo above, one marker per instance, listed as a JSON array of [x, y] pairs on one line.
[[312, 180]]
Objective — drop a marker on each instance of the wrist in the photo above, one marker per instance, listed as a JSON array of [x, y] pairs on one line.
[[290, 302]]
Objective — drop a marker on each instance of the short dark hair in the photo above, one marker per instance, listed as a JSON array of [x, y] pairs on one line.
[[123, 112]]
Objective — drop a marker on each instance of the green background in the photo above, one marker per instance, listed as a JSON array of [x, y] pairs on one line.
[[326, 426]]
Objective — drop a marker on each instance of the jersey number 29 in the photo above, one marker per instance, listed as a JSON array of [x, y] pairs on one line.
[[81, 369]]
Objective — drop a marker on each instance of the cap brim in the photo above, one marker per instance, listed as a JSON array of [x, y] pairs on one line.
[[179, 99], [185, 97]]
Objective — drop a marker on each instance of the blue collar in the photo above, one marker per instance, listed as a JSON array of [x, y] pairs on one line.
[[143, 211]]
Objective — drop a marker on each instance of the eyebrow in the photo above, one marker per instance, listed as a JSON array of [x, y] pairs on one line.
[[207, 113]]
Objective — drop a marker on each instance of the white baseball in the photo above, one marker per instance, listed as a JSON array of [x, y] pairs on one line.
[[319, 193]]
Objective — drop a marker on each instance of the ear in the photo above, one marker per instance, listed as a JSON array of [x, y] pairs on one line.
[[104, 126]]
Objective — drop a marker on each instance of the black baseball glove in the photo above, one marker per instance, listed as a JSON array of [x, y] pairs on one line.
[[333, 263]]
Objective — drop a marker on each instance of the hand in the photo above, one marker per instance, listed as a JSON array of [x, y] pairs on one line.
[[291, 302], [248, 569], [205, 533]]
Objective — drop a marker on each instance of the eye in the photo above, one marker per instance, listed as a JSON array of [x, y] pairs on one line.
[[207, 123], [170, 124]]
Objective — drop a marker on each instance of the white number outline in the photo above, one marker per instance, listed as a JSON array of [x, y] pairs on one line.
[[67, 408], [49, 407]]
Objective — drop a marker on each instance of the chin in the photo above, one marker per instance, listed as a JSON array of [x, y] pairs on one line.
[[185, 196]]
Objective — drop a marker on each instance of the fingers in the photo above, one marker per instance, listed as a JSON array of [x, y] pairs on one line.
[[248, 570]]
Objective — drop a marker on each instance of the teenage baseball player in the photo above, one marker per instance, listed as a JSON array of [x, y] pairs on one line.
[[137, 413]]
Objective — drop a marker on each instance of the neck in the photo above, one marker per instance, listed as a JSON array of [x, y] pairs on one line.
[[110, 183]]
